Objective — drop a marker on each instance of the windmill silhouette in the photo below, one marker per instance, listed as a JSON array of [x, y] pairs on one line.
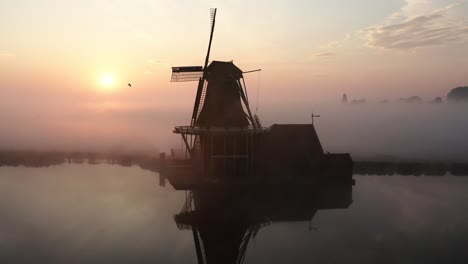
[[226, 144], [222, 131], [221, 92]]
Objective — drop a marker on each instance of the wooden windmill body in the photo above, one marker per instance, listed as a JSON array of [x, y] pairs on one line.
[[227, 145]]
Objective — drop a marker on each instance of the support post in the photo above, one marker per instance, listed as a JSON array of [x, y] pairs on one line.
[[162, 167], [224, 158], [184, 137], [211, 155], [197, 245]]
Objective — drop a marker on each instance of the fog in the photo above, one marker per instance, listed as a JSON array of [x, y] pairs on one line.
[[420, 131], [407, 131]]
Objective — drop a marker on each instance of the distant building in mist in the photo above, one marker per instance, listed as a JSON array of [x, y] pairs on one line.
[[344, 99], [459, 94]]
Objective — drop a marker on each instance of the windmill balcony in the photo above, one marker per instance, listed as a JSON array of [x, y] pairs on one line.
[[198, 130]]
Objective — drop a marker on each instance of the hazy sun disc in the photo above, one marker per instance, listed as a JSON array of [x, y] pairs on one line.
[[107, 80]]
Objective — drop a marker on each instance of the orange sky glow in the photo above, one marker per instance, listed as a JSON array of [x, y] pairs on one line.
[[68, 63]]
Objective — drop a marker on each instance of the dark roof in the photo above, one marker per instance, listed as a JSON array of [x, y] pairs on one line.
[[223, 68], [290, 149]]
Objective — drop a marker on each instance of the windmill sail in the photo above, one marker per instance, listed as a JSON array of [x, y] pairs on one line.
[[196, 107], [186, 73], [196, 73]]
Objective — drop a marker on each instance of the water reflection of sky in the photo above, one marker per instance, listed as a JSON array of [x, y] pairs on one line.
[[102, 213], [392, 220]]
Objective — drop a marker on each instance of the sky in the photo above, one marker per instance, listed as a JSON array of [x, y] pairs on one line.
[[65, 65]]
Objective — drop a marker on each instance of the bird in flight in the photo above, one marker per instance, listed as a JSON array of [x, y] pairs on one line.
[[129, 85]]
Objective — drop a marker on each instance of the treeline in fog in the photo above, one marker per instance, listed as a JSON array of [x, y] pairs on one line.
[[45, 159], [410, 168], [152, 163]]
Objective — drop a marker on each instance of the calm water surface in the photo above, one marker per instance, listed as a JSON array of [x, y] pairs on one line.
[[112, 214]]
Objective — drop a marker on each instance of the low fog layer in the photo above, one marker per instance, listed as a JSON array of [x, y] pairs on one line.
[[410, 131], [397, 130]]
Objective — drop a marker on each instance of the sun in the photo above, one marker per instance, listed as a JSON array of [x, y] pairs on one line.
[[107, 80]]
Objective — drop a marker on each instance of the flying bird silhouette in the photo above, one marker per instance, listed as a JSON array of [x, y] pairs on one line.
[[129, 85]]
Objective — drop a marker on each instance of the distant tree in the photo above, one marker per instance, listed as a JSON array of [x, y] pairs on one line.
[[437, 100], [358, 101], [411, 100], [459, 94], [414, 99]]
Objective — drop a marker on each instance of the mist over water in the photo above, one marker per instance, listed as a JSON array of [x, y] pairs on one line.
[[420, 131], [406, 131]]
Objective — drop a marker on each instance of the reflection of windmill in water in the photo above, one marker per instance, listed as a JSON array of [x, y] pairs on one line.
[[227, 144], [224, 221]]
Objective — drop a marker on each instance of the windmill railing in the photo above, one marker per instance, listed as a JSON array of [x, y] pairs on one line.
[[197, 130]]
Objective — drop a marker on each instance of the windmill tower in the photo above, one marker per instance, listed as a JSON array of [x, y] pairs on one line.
[[222, 134]]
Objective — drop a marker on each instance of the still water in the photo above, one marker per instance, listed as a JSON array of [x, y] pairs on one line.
[[110, 214]]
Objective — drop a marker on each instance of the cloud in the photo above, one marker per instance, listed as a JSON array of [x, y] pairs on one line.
[[414, 33], [155, 62], [337, 43], [325, 55], [331, 45], [152, 64], [436, 28], [418, 23], [6, 54], [148, 72], [320, 76]]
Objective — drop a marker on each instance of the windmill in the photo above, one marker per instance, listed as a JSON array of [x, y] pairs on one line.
[[226, 144], [222, 132], [218, 102]]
